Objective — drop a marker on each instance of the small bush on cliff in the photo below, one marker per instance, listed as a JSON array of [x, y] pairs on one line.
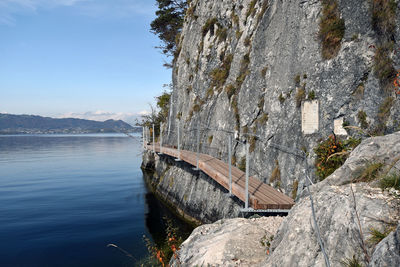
[[351, 262], [377, 236], [252, 8], [383, 64], [300, 96], [158, 114], [209, 26], [219, 75], [168, 23], [362, 118], [390, 181], [331, 29], [383, 14], [331, 154]]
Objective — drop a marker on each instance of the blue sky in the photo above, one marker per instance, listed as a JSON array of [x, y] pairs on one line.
[[90, 59]]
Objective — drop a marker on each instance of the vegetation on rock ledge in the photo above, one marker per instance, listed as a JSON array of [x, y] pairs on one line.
[[331, 154], [331, 29]]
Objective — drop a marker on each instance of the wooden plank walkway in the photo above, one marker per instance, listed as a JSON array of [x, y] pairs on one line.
[[261, 195]]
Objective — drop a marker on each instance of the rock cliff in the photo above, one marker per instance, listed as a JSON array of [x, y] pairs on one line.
[[346, 213], [248, 66], [192, 194]]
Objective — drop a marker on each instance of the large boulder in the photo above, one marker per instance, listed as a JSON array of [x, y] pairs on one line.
[[231, 242]]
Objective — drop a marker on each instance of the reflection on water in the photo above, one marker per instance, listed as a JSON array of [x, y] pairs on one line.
[[155, 219], [65, 197]]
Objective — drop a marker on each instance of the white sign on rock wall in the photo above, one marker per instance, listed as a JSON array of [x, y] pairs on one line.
[[310, 117], [338, 127]]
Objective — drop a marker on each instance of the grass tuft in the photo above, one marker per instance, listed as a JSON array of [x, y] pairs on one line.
[[209, 26], [377, 236], [390, 181], [300, 96], [331, 29], [351, 262], [383, 64], [369, 172], [383, 14], [362, 119]]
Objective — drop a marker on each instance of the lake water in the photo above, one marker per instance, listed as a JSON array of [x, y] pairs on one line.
[[63, 198]]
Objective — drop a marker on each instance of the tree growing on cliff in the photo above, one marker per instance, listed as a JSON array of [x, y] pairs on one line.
[[159, 113], [168, 23]]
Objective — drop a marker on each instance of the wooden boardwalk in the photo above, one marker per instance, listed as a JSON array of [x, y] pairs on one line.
[[261, 195]]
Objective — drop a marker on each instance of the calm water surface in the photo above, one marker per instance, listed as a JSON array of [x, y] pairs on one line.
[[63, 198]]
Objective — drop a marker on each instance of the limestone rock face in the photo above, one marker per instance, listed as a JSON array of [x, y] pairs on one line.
[[240, 66], [230, 242], [190, 193], [387, 253], [296, 243]]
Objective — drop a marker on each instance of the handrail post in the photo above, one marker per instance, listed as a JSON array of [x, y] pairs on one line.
[[179, 142], [161, 133], [197, 148], [247, 176], [154, 139], [230, 162]]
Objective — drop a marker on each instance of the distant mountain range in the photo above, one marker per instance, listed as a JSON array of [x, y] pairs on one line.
[[31, 124]]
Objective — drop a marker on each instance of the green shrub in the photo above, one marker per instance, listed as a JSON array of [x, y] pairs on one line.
[[230, 90], [190, 11], [369, 172], [362, 118], [281, 98], [196, 108], [383, 115], [219, 75], [383, 15], [235, 18], [263, 119], [384, 109], [383, 64], [331, 29], [331, 154], [311, 95], [297, 80], [251, 10], [244, 70], [263, 9], [209, 26], [390, 181], [247, 41], [264, 71], [377, 236], [300, 96], [222, 33], [351, 262], [276, 173]]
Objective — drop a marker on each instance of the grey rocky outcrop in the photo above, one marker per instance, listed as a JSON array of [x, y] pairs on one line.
[[387, 253], [277, 43], [231, 242], [341, 216]]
